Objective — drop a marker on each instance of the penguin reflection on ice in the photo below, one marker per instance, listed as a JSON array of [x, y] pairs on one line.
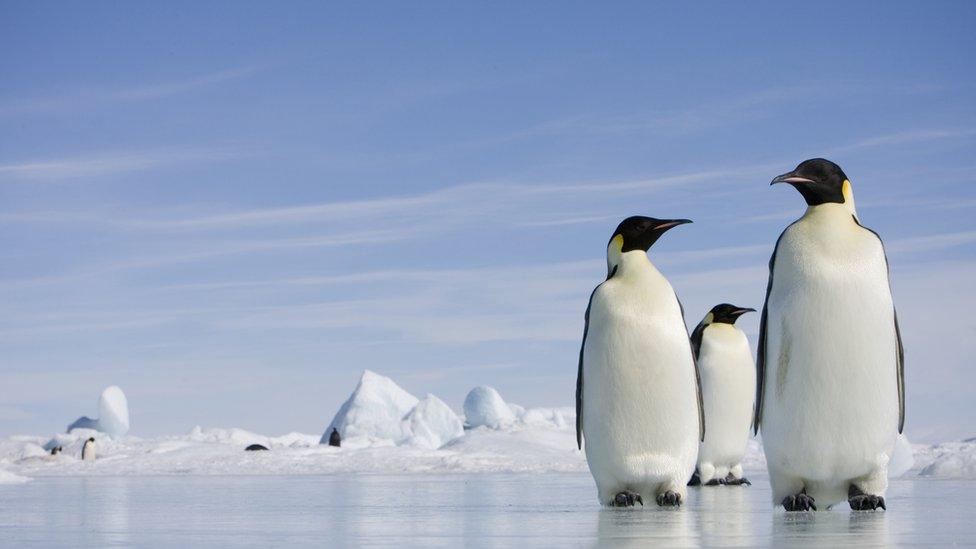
[[830, 396], [728, 378], [638, 403]]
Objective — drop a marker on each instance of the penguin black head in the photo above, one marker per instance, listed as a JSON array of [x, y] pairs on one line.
[[91, 439], [637, 233], [726, 313], [820, 181]]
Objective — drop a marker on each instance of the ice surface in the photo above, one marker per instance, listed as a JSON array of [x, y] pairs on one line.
[[484, 407], [450, 510], [113, 414], [433, 424]]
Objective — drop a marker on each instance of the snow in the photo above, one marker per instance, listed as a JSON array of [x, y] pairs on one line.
[[10, 478], [433, 424], [374, 412], [385, 430], [485, 407], [113, 414]]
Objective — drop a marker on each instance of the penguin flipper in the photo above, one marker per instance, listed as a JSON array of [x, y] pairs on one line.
[[761, 347], [579, 373], [698, 383]]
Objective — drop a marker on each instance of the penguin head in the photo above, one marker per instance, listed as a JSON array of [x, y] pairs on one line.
[[636, 234], [91, 439], [726, 313], [820, 181]]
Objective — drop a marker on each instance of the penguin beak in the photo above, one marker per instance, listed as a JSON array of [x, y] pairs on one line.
[[791, 178], [742, 311], [670, 223]]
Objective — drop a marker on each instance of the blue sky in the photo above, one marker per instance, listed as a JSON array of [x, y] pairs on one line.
[[230, 210]]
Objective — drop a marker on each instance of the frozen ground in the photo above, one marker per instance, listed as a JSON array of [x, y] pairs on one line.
[[496, 509]]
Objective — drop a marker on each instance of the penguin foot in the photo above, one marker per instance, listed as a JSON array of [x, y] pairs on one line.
[[669, 499], [695, 479], [732, 481], [627, 499], [799, 502], [864, 502], [715, 482]]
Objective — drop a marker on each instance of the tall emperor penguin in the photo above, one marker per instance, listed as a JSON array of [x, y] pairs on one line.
[[638, 402], [830, 396]]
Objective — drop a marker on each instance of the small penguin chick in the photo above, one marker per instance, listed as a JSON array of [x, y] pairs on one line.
[[728, 378]]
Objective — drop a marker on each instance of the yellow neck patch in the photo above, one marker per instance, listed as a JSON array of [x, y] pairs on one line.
[[709, 318], [848, 193]]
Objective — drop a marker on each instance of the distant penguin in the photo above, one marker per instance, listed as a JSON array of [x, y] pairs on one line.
[[88, 450], [335, 439], [56, 450], [638, 402], [255, 448], [830, 396], [728, 378]]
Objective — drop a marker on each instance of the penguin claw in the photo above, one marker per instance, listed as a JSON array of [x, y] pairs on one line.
[[799, 502], [627, 499], [732, 481], [669, 499], [864, 502]]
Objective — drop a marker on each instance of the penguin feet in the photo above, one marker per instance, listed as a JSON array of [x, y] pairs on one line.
[[669, 499], [799, 502], [627, 499], [730, 480], [715, 482], [864, 502]]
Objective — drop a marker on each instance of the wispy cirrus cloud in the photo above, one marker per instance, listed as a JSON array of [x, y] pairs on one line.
[[83, 97], [79, 167]]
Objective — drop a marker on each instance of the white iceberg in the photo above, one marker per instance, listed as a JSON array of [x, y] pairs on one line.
[[113, 414], [433, 424], [375, 410], [485, 407]]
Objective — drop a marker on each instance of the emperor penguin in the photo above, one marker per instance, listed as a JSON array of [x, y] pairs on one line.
[[830, 367], [88, 450], [728, 379], [638, 399]]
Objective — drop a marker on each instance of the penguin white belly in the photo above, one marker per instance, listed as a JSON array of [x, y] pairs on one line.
[[640, 419], [830, 396], [728, 392]]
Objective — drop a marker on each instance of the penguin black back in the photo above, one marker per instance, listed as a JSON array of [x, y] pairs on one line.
[[335, 439], [255, 448]]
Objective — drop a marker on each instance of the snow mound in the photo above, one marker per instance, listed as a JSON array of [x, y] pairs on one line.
[[113, 414], [375, 410], [10, 478], [948, 460], [380, 413], [484, 407], [433, 424]]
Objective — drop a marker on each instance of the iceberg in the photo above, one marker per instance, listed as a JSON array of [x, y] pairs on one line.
[[485, 407], [113, 414]]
